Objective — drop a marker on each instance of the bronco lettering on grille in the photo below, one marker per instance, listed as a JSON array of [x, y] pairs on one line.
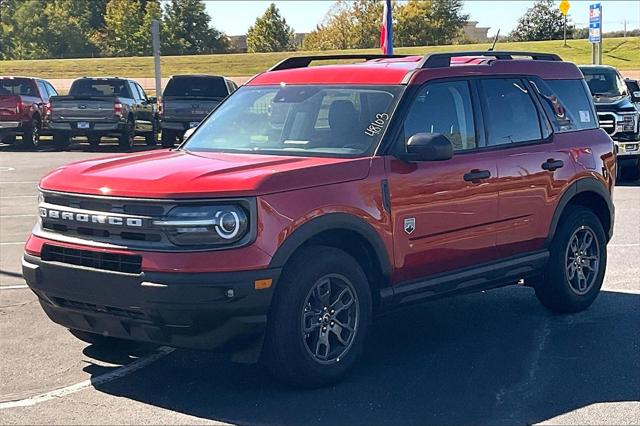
[[90, 218]]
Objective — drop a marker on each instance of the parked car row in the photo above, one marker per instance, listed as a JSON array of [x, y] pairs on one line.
[[98, 107]]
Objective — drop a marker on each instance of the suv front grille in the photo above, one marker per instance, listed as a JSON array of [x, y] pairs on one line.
[[126, 263], [90, 307], [607, 122]]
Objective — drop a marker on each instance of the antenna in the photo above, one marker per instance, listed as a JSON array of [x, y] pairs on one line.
[[495, 40]]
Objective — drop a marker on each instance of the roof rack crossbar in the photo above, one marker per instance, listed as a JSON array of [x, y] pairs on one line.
[[443, 60], [305, 61]]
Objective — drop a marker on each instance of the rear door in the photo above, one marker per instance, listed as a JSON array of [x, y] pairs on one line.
[[443, 211], [533, 168]]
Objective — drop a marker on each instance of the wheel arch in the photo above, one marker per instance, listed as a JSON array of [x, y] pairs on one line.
[[345, 232], [588, 192]]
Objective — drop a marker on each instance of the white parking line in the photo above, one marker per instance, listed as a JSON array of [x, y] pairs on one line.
[[13, 287], [95, 381], [16, 243], [18, 196], [20, 181], [19, 215]]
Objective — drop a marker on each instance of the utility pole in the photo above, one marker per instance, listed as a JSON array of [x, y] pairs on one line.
[[155, 40]]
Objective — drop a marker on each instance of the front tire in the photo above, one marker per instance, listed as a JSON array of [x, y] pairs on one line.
[[577, 263], [319, 318], [61, 140], [631, 172], [151, 138]]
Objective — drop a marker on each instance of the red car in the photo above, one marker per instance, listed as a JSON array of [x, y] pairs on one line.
[[23, 103], [315, 197]]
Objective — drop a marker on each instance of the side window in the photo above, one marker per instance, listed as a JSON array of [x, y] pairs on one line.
[[50, 89], [510, 114], [568, 104], [43, 90], [443, 108], [141, 91], [134, 91]]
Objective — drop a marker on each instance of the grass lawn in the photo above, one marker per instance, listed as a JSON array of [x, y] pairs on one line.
[[622, 53]]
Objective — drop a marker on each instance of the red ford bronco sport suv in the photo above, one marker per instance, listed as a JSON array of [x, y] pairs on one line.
[[316, 196]]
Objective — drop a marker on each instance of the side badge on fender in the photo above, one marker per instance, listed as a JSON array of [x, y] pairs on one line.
[[410, 225]]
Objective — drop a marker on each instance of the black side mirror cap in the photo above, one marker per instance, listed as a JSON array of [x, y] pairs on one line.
[[428, 147], [152, 100]]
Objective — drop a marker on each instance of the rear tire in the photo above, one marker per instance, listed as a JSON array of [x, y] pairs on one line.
[[94, 142], [126, 138], [168, 139], [31, 135], [577, 263], [61, 140], [152, 138], [9, 139], [631, 172], [318, 319]]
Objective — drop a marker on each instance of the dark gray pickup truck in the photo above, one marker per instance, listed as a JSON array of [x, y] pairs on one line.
[[97, 107], [186, 101]]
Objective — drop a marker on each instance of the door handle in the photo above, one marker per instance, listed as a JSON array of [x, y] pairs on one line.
[[476, 175], [552, 164]]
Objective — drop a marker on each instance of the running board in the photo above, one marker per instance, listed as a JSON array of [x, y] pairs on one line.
[[468, 280]]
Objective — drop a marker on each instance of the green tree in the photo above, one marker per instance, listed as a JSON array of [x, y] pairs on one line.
[[7, 8], [447, 20], [334, 32], [270, 33], [366, 21], [68, 29], [189, 30], [29, 44], [543, 21], [414, 26], [152, 11], [122, 21]]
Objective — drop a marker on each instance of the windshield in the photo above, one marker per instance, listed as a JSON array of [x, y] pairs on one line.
[[192, 87], [330, 121], [90, 87], [604, 82]]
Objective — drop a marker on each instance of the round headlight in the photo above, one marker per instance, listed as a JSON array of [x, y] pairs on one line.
[[205, 225]]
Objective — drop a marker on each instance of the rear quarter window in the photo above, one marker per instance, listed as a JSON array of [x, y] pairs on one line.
[[567, 103]]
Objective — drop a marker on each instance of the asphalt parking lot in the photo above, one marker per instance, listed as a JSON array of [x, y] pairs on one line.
[[490, 358]]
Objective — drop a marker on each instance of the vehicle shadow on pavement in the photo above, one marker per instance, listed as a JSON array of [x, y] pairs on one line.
[[491, 358]]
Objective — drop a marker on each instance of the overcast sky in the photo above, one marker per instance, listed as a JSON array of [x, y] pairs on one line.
[[235, 17]]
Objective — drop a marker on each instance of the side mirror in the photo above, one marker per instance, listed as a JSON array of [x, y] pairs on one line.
[[428, 147], [188, 133], [635, 96], [152, 100]]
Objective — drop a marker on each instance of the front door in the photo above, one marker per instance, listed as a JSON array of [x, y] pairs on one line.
[[443, 212]]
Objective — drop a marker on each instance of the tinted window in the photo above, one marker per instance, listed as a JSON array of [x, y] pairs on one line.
[[443, 108], [567, 103], [204, 87], [50, 89], [99, 87], [510, 114], [43, 90], [16, 86], [603, 81], [327, 121]]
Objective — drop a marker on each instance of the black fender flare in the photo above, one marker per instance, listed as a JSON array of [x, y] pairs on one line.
[[332, 221], [587, 184]]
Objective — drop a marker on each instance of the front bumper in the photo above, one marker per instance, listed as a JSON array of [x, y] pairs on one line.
[[191, 310]]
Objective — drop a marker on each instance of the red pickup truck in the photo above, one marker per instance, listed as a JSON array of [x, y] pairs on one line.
[[23, 103], [314, 197]]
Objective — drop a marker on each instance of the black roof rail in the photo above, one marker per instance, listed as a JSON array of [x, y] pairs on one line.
[[305, 61], [443, 60]]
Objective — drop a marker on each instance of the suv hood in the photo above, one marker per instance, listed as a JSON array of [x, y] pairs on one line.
[[181, 174], [613, 104]]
